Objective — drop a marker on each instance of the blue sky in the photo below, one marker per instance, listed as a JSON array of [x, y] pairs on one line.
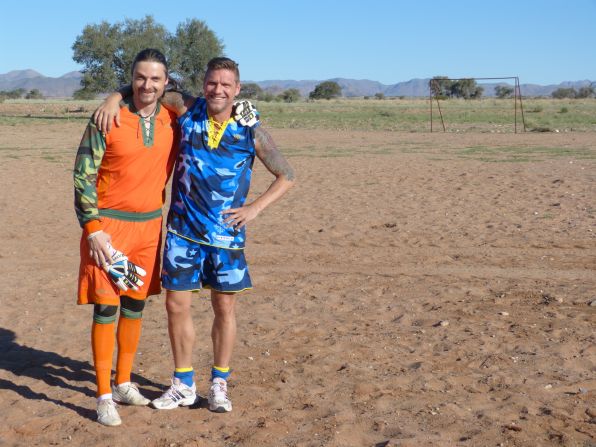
[[390, 41]]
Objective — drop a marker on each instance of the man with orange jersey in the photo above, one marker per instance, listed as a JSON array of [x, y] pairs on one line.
[[119, 183], [205, 242]]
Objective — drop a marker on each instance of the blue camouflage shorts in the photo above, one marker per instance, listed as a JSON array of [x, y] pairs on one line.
[[188, 265]]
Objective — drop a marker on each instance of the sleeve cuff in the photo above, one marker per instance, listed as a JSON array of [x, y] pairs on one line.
[[92, 226]]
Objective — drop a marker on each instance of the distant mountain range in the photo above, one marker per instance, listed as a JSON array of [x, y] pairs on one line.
[[65, 85], [411, 88]]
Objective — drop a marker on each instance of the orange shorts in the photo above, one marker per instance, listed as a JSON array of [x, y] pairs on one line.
[[141, 242]]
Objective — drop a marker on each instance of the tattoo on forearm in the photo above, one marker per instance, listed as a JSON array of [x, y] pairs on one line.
[[270, 155]]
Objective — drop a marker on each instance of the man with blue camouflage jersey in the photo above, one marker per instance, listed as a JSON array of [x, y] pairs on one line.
[[206, 223]]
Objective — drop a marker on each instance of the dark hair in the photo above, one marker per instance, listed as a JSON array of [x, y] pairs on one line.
[[223, 63], [150, 55]]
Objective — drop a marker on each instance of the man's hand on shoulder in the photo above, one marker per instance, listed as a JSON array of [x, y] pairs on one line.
[[245, 113], [108, 112]]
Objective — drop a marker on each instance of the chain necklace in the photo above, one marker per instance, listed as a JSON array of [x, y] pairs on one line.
[[150, 115]]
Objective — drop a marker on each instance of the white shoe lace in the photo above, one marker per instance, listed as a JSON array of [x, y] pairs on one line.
[[175, 392], [220, 391]]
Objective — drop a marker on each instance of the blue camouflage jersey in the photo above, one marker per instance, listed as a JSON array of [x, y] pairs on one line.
[[208, 180]]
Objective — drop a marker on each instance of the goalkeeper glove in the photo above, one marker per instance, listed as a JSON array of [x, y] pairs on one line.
[[124, 273], [245, 113]]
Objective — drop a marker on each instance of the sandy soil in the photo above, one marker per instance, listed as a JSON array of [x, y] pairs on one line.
[[411, 290]]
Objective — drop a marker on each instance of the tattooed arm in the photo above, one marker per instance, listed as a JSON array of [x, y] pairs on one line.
[[109, 109], [177, 102], [276, 163]]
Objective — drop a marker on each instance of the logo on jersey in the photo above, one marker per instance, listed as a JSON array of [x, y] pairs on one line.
[[224, 238]]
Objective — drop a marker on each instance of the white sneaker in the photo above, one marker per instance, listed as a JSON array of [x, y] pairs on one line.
[[107, 413], [177, 395], [128, 393], [218, 396]]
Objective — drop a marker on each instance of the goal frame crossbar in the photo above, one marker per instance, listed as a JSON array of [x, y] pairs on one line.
[[516, 97]]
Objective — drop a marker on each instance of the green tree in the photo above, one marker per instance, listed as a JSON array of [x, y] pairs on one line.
[[585, 92], [107, 51], [562, 93], [250, 91], [503, 91], [440, 86], [326, 90], [379, 96], [83, 95], [467, 89], [266, 96], [34, 94], [290, 95], [96, 49], [136, 35], [13, 94], [193, 45], [17, 93]]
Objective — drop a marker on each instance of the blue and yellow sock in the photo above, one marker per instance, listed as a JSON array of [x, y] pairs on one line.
[[220, 372], [185, 375]]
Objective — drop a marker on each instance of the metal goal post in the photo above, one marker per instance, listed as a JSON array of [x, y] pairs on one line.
[[433, 90]]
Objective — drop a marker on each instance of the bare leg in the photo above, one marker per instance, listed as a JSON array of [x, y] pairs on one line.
[[223, 331], [180, 327]]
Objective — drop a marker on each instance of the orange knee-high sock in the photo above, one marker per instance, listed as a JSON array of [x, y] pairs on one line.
[[129, 333], [102, 342]]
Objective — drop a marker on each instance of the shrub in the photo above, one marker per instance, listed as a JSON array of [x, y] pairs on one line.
[[34, 94], [290, 95], [562, 93], [83, 95], [266, 96]]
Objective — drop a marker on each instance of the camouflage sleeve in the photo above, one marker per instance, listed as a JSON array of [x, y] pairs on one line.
[[89, 156]]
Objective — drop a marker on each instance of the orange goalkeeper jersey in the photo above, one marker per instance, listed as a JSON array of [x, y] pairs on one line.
[[128, 169]]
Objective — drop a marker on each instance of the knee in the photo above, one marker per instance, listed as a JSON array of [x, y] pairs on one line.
[[104, 314], [131, 308], [224, 307], [175, 306]]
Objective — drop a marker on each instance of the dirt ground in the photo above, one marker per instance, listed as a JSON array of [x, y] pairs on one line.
[[413, 289]]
